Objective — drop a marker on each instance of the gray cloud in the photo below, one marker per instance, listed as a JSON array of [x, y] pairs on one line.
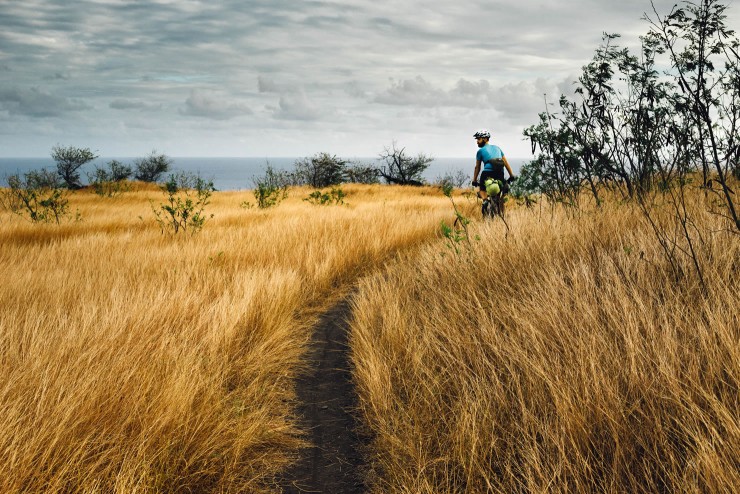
[[126, 104], [35, 102], [309, 65], [267, 85], [415, 92], [353, 89], [518, 102], [210, 105], [297, 106], [58, 76]]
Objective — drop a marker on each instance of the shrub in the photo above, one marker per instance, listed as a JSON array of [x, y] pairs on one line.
[[117, 171], [458, 179], [111, 181], [187, 197], [320, 170], [41, 204], [334, 196], [269, 189], [151, 168], [43, 179], [359, 173], [457, 235]]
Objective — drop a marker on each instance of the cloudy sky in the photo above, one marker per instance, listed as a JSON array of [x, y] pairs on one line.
[[271, 78]]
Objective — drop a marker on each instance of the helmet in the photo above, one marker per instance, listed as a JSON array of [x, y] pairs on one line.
[[482, 133]]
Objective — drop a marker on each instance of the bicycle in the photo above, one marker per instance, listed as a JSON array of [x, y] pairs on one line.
[[494, 205]]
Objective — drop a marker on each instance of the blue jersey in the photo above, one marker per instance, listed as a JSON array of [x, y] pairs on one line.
[[487, 154]]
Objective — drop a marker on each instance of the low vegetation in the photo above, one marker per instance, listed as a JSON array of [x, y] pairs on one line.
[[132, 361], [566, 357]]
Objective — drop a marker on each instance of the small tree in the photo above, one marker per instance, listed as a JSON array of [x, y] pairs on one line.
[[320, 170], [69, 160], [705, 56], [399, 168], [151, 168]]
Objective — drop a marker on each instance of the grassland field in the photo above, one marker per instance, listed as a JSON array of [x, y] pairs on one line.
[[562, 357]]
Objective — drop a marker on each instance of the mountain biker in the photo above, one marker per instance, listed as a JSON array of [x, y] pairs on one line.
[[493, 160]]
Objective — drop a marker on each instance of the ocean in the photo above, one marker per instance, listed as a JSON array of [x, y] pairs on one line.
[[234, 173]]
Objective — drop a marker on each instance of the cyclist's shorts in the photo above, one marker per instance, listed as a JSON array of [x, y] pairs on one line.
[[494, 174]]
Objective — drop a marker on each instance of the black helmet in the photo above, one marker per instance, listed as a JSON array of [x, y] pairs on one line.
[[482, 133]]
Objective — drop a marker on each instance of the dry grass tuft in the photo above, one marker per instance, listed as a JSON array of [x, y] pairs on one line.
[[564, 358], [136, 362]]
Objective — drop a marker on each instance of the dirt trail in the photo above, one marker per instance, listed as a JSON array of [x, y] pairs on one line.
[[333, 463]]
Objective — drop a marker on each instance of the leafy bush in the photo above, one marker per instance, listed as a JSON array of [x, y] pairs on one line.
[[320, 198], [117, 171], [187, 197], [528, 182], [69, 160], [360, 173], [320, 170], [457, 235], [111, 181], [269, 189], [43, 179], [27, 198], [151, 168]]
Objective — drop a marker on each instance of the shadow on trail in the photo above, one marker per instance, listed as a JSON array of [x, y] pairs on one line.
[[333, 463]]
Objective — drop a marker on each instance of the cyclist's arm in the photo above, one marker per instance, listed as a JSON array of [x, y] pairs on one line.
[[508, 167], [477, 170]]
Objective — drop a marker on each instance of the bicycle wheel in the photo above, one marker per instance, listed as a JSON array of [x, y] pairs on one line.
[[500, 206], [487, 209]]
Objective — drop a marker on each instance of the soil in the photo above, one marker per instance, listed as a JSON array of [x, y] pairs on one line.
[[333, 464]]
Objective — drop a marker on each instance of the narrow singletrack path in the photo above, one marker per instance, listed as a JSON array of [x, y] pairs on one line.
[[333, 463]]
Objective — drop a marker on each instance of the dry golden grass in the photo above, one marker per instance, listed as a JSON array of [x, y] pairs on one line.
[[564, 358], [136, 362]]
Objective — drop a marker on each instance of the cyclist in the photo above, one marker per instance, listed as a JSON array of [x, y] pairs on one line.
[[493, 160]]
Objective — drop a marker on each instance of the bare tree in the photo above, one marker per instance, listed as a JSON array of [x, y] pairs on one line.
[[399, 168]]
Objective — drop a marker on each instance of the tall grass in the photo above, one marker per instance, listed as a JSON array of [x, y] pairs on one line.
[[565, 357], [131, 361]]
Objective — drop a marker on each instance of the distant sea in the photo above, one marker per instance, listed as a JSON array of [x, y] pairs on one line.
[[235, 173]]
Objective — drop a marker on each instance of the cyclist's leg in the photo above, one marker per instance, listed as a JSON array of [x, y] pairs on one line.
[[482, 192], [486, 209]]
